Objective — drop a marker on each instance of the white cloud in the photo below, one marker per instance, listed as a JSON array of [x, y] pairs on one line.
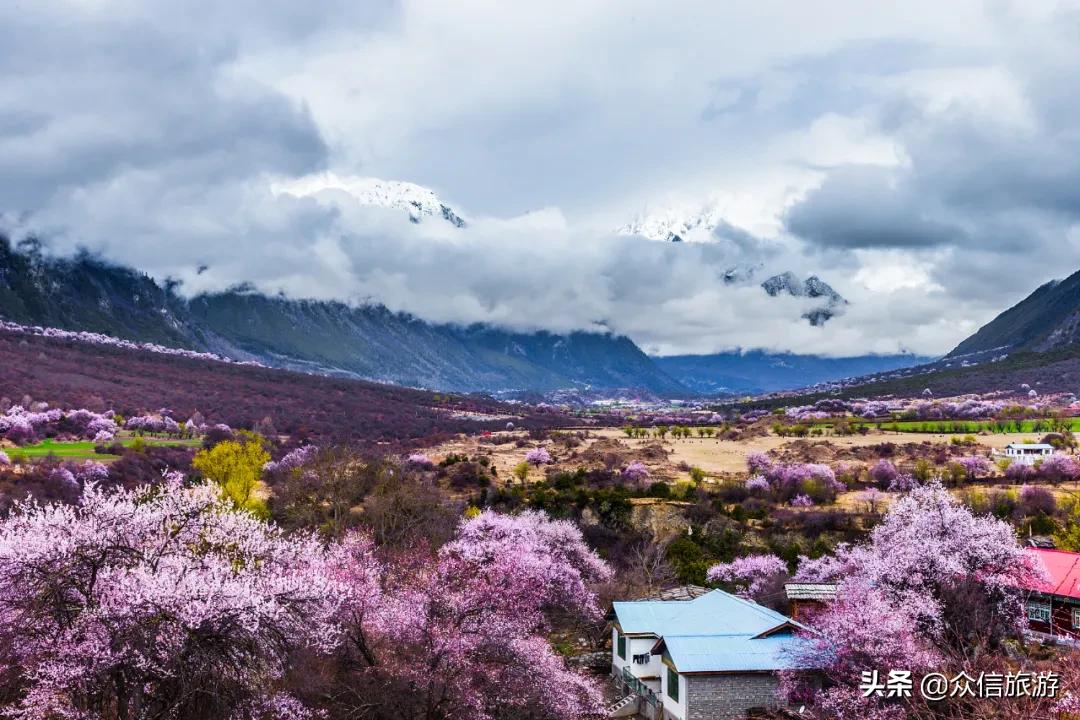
[[918, 158]]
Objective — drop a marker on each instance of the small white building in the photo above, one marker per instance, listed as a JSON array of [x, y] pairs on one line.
[[1028, 453], [715, 656]]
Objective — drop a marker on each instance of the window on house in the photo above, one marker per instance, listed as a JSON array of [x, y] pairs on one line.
[[673, 684], [1076, 617], [1038, 611], [621, 646]]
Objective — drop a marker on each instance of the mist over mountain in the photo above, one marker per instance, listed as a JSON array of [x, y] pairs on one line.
[[368, 342], [760, 372], [812, 287], [707, 224], [1033, 346], [371, 342]]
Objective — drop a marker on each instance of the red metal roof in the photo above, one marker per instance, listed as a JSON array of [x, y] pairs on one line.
[[1064, 570]]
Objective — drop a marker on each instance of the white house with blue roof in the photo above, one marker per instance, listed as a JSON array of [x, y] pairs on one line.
[[710, 658]]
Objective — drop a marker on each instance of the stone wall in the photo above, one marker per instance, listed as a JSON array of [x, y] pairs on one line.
[[723, 697]]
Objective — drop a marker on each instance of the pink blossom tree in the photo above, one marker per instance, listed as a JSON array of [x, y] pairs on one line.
[[636, 472], [903, 482], [1019, 472], [748, 575], [20, 431], [873, 498], [1035, 499], [90, 472], [757, 484], [861, 630], [465, 632], [802, 501], [103, 438], [419, 460], [975, 466], [538, 456], [164, 602], [759, 463], [884, 473], [933, 582], [157, 602], [1059, 468], [292, 460]]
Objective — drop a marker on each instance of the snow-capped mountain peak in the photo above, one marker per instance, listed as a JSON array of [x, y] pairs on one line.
[[707, 223], [418, 201], [684, 223]]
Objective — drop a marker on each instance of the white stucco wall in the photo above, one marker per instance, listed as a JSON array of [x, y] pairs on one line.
[[635, 646], [672, 708]]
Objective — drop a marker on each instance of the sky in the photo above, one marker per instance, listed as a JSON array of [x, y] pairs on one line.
[[923, 158]]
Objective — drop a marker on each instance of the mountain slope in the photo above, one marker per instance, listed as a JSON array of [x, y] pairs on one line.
[[372, 342], [1046, 319], [758, 372], [65, 372], [82, 293], [368, 342]]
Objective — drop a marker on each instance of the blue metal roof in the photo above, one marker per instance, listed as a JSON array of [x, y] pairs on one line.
[[732, 653], [715, 613], [716, 632]]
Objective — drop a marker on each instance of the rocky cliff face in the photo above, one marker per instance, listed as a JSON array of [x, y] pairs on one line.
[[812, 287]]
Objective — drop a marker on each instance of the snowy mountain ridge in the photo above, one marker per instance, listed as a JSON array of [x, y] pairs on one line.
[[418, 201], [684, 223]]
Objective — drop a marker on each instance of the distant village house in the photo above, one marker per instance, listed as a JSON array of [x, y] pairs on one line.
[[712, 657], [1027, 453]]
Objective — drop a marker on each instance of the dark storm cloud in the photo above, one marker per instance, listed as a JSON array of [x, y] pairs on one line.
[[994, 166], [867, 207], [91, 92]]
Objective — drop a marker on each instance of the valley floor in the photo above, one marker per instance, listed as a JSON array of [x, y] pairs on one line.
[[722, 460], [716, 457]]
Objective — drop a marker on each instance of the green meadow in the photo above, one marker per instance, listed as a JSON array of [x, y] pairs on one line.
[[84, 449]]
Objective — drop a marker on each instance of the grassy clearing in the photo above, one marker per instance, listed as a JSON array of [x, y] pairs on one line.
[[66, 450], [84, 449], [975, 426]]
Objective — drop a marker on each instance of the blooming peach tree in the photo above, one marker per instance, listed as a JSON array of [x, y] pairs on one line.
[[538, 456], [934, 584], [465, 632], [155, 602], [749, 575]]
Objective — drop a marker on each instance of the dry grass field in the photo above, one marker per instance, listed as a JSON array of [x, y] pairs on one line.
[[729, 456], [671, 459]]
